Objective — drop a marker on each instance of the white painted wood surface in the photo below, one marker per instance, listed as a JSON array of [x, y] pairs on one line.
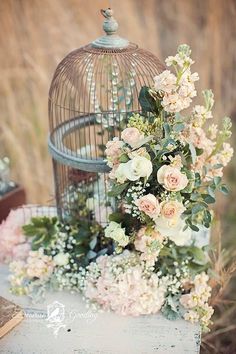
[[83, 332]]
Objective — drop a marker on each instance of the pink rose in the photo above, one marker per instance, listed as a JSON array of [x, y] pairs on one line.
[[113, 148], [171, 178], [149, 205], [132, 136], [171, 209]]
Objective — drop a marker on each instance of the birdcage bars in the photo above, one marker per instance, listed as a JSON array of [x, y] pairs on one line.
[[93, 92]]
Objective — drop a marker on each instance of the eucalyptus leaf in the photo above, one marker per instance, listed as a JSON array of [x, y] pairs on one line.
[[209, 199], [217, 180], [117, 189], [197, 208], [223, 188], [178, 127], [193, 152]]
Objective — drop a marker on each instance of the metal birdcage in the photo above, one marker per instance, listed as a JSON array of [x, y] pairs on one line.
[[93, 92]]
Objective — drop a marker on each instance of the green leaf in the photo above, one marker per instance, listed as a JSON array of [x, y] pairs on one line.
[[117, 217], [92, 243], [166, 130], [223, 189], [178, 127], [193, 227], [217, 180], [146, 101], [209, 199], [211, 190], [218, 165], [197, 208], [194, 196], [171, 308], [91, 254], [42, 230], [124, 158], [117, 189], [199, 256], [199, 151]]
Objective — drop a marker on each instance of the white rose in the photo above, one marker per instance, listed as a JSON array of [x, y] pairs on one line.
[[120, 173], [174, 230], [115, 232], [136, 168], [61, 259]]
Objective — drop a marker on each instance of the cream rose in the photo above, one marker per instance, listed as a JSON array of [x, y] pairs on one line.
[[149, 205], [131, 136], [119, 173], [117, 233], [171, 209], [136, 168], [171, 178], [174, 230]]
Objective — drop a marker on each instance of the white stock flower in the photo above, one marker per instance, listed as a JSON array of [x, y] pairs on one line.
[[172, 102], [166, 81]]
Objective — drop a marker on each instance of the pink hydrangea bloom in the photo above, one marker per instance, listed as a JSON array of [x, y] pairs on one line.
[[13, 243], [122, 284]]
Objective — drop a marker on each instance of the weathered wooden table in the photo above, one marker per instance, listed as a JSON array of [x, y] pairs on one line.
[[64, 325]]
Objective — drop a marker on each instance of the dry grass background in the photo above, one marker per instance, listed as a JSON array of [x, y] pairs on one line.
[[36, 34]]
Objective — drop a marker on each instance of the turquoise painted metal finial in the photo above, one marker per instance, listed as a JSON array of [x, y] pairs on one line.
[[111, 39]]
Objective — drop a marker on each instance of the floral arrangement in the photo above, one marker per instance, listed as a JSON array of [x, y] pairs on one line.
[[166, 168]]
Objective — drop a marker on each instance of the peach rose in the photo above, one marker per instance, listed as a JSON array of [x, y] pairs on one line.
[[149, 205], [172, 209], [171, 178], [132, 136], [113, 148]]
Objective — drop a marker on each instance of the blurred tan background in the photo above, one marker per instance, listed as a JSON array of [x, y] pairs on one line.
[[36, 34]]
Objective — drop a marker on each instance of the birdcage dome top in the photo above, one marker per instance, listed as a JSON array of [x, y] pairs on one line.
[[93, 90]]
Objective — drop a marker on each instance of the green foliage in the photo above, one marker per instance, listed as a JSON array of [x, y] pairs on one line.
[[117, 189], [197, 258], [146, 101], [126, 220], [42, 231], [172, 309]]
